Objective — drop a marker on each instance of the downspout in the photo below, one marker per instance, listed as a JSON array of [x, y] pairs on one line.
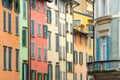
[[93, 33], [29, 40]]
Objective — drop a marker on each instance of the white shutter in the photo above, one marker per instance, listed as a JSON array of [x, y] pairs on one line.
[[64, 53], [59, 29]]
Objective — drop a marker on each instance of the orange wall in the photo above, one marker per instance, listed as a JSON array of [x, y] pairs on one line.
[[80, 69], [10, 40]]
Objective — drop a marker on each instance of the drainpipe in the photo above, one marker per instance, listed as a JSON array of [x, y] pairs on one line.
[[29, 40], [93, 33]]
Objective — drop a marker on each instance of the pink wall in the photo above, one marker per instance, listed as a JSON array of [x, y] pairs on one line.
[[39, 66]]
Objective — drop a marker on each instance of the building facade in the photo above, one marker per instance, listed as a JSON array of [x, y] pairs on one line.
[[83, 16], [106, 40], [38, 40], [10, 40], [23, 40]]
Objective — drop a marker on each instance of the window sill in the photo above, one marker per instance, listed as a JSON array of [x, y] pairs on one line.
[[45, 60], [17, 70], [25, 18], [5, 69], [39, 60], [32, 58], [4, 30], [49, 49], [10, 32], [17, 34], [9, 69]]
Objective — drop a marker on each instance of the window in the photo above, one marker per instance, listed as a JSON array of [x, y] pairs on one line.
[[104, 7], [45, 7], [39, 29], [45, 54], [90, 43], [77, 22], [9, 58], [24, 39], [62, 6], [4, 23], [33, 4], [75, 76], [39, 76], [67, 46], [69, 66], [71, 9], [57, 42], [39, 53], [80, 39], [9, 22], [71, 28], [32, 50], [4, 60], [24, 9], [67, 30], [45, 76], [64, 53], [80, 76], [64, 75], [74, 36], [50, 72], [90, 58], [33, 74], [17, 59], [60, 52], [24, 71], [71, 46], [45, 28], [32, 28], [38, 5], [56, 2], [57, 72], [49, 40], [49, 16], [56, 18], [75, 58], [17, 27], [81, 58], [16, 5], [61, 75]]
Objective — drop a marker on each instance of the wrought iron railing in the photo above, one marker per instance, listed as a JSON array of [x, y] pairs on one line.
[[104, 65]]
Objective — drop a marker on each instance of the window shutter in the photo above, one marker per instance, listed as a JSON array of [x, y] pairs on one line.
[[22, 71], [64, 53], [10, 58], [5, 49], [64, 30], [45, 54], [38, 5], [60, 75], [39, 53], [32, 28], [57, 42], [39, 29], [17, 60], [50, 16], [32, 50], [24, 9], [9, 22], [17, 30], [67, 66], [76, 57], [108, 51], [45, 31], [50, 72], [98, 49], [23, 37], [59, 28], [81, 58], [71, 47], [67, 46], [60, 52], [4, 14]]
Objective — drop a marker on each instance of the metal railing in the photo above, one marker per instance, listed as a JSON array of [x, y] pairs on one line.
[[103, 65]]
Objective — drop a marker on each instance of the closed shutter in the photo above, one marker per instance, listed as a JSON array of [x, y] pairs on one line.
[[9, 22], [98, 49], [17, 60], [24, 38], [59, 30], [4, 14], [76, 57], [45, 54], [38, 5], [67, 47], [32, 28], [57, 69], [81, 58], [71, 45], [64, 53], [17, 29], [81, 76], [60, 75], [32, 50], [50, 72], [64, 30], [60, 52], [5, 49], [108, 51], [57, 42], [39, 29], [45, 31], [10, 59], [24, 9], [39, 53]]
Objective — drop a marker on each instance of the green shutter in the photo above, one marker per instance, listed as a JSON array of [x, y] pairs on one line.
[[10, 57], [17, 59], [4, 14], [57, 42], [17, 32], [32, 28], [22, 71], [9, 22], [50, 16], [5, 57], [24, 38]]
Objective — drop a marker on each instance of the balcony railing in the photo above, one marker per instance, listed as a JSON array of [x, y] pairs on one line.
[[104, 65]]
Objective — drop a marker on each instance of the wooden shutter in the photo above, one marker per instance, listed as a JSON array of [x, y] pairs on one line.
[[9, 22], [32, 28], [81, 58], [64, 53], [4, 14], [23, 37], [32, 50], [59, 30]]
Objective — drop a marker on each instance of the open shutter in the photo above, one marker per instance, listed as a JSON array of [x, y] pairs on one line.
[[98, 49]]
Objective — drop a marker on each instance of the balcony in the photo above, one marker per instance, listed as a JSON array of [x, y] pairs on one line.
[[49, 1], [7, 3], [103, 66]]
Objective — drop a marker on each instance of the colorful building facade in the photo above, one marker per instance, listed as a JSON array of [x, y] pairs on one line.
[[23, 40], [38, 63], [10, 40], [83, 24]]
